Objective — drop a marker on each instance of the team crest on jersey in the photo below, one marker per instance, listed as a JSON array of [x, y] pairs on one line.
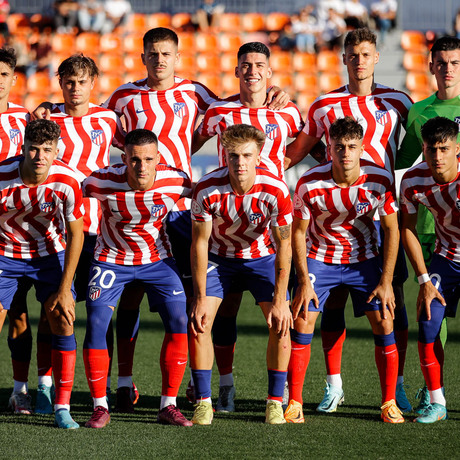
[[180, 109], [157, 210], [256, 218], [361, 208], [457, 203], [94, 292], [15, 136], [48, 206], [97, 136], [382, 116], [272, 131]]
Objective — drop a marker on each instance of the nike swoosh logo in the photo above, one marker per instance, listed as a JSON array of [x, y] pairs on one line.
[[186, 276], [141, 111], [65, 381], [114, 210], [177, 292], [95, 380], [180, 363]]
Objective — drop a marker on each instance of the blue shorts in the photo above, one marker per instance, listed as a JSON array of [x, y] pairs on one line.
[[255, 275], [360, 278], [44, 272], [179, 230], [401, 273], [445, 275], [160, 280]]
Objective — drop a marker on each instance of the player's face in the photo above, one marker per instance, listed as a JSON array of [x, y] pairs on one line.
[[360, 60], [446, 68], [38, 157], [253, 71], [76, 89], [141, 162], [345, 153], [160, 60], [242, 161], [7, 80], [442, 158]]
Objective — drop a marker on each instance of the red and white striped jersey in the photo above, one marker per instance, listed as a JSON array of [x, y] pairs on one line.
[[84, 145], [278, 126], [442, 200], [12, 125], [171, 114], [381, 115], [341, 228], [32, 219], [241, 223], [133, 230]]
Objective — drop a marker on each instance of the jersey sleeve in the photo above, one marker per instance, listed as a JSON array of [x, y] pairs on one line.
[[407, 202], [200, 211], [313, 124], [73, 203], [282, 214], [301, 210], [210, 121], [205, 97]]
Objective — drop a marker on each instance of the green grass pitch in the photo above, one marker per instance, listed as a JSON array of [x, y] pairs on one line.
[[354, 431]]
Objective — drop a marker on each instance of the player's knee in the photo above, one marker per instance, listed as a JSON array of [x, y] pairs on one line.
[[97, 323]]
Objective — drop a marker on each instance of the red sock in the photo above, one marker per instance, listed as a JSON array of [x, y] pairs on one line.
[[300, 358], [386, 359], [332, 348], [63, 368], [401, 338], [431, 363], [44, 358], [20, 370], [224, 358], [96, 368], [125, 351], [173, 361]]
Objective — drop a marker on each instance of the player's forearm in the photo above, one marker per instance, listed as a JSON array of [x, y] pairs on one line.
[[413, 249], [390, 253], [299, 253], [73, 249], [199, 266], [282, 268], [198, 141]]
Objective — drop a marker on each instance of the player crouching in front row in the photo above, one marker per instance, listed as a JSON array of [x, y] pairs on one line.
[[233, 210], [334, 205]]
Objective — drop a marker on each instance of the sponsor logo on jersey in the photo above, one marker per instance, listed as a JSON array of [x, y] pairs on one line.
[[94, 292], [157, 210], [457, 120], [48, 206], [382, 116], [180, 109], [15, 136], [256, 218], [272, 131], [97, 136], [361, 208]]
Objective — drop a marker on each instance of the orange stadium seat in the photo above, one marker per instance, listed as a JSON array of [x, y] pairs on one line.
[[276, 21], [110, 64], [63, 43], [413, 40], [137, 22], [228, 62], [329, 81], [132, 43], [55, 87], [416, 81], [20, 87], [87, 43], [32, 101], [305, 82], [304, 101], [304, 62], [211, 81], [16, 98], [229, 22], [283, 80], [186, 42], [139, 74], [415, 62], [186, 66], [229, 42], [133, 63], [39, 83], [229, 84], [419, 95], [181, 20], [205, 43], [16, 22], [252, 22], [108, 84], [281, 61], [328, 61], [111, 43], [158, 20], [209, 63]]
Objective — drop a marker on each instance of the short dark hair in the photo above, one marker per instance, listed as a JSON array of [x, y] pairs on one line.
[[160, 34], [345, 128], [75, 64], [8, 57], [41, 131], [445, 44], [439, 129], [253, 47], [141, 137], [241, 134], [358, 36]]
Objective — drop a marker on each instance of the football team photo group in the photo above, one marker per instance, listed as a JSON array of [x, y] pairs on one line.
[[79, 228]]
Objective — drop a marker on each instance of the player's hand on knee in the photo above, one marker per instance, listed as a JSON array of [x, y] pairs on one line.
[[198, 317], [303, 296], [426, 295], [280, 318], [384, 293], [62, 304]]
